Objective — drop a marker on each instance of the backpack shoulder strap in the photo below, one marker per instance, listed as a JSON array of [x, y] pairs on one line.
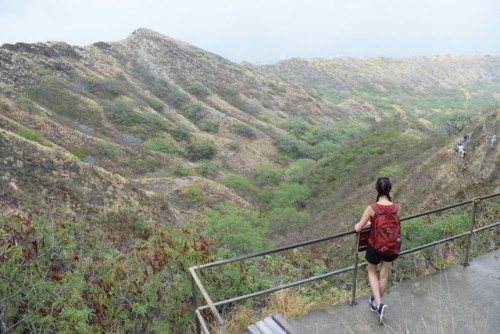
[[376, 208]]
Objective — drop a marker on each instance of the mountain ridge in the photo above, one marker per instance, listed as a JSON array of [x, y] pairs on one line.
[[127, 73]]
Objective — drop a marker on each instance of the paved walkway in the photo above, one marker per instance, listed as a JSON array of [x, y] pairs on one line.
[[456, 300]]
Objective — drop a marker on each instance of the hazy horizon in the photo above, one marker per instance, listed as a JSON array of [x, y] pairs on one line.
[[267, 31]]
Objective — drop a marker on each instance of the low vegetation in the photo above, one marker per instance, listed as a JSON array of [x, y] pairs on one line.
[[159, 156]]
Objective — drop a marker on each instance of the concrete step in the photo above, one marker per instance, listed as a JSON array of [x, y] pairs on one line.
[[275, 324]]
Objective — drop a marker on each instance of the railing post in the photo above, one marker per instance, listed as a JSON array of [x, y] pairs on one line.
[[355, 271], [195, 304], [476, 202]]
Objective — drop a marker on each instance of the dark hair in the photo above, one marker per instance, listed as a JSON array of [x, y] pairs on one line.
[[383, 187]]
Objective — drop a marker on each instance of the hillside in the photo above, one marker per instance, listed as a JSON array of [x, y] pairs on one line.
[[122, 164], [103, 102]]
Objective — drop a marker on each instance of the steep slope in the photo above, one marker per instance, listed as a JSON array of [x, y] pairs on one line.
[[425, 176], [109, 104]]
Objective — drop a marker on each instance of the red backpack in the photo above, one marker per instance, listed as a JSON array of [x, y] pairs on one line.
[[385, 236]]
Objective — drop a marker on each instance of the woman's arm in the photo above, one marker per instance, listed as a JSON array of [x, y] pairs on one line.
[[365, 218]]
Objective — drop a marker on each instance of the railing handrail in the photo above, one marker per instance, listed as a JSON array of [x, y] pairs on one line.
[[213, 306]]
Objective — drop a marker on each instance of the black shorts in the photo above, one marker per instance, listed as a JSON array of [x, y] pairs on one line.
[[373, 257]]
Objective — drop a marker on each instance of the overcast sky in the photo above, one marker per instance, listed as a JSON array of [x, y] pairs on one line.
[[265, 31]]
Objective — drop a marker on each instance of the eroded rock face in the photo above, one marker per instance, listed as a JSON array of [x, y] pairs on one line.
[[24, 65]]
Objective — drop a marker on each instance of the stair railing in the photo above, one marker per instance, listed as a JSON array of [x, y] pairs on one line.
[[196, 283]]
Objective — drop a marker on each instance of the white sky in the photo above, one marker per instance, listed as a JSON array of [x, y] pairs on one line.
[[265, 31]]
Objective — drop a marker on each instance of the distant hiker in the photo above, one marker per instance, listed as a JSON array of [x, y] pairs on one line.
[[464, 168], [459, 149], [462, 154], [466, 137], [493, 140], [382, 212]]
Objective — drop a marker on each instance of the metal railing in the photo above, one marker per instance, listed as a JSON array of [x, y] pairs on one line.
[[196, 282]]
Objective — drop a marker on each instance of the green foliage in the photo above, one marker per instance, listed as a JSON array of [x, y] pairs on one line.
[[195, 193], [103, 88], [245, 130], [161, 88], [198, 89], [144, 73], [235, 145], [246, 233], [32, 135], [108, 149], [331, 94], [208, 168], [57, 277], [79, 154], [194, 111], [240, 184], [296, 171], [180, 132], [297, 126], [114, 87], [229, 92], [121, 111], [160, 145], [177, 98], [57, 96], [201, 150], [156, 104], [286, 194], [208, 125], [417, 232], [283, 220], [385, 147], [267, 174], [179, 169], [26, 103]]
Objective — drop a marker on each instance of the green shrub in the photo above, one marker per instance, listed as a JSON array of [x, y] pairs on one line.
[[240, 184], [208, 125], [114, 87], [160, 145], [195, 193], [245, 130], [26, 103], [208, 168], [198, 89], [79, 154], [180, 132], [57, 96], [194, 111], [267, 174], [144, 73], [108, 149], [32, 135], [64, 278], [286, 220], [287, 194], [246, 233], [201, 150], [156, 104], [121, 111], [235, 145], [177, 98], [179, 169], [161, 88]]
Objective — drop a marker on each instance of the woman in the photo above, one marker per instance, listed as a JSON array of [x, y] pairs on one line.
[[378, 284]]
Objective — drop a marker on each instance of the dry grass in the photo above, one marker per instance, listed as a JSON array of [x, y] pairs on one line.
[[288, 303]]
